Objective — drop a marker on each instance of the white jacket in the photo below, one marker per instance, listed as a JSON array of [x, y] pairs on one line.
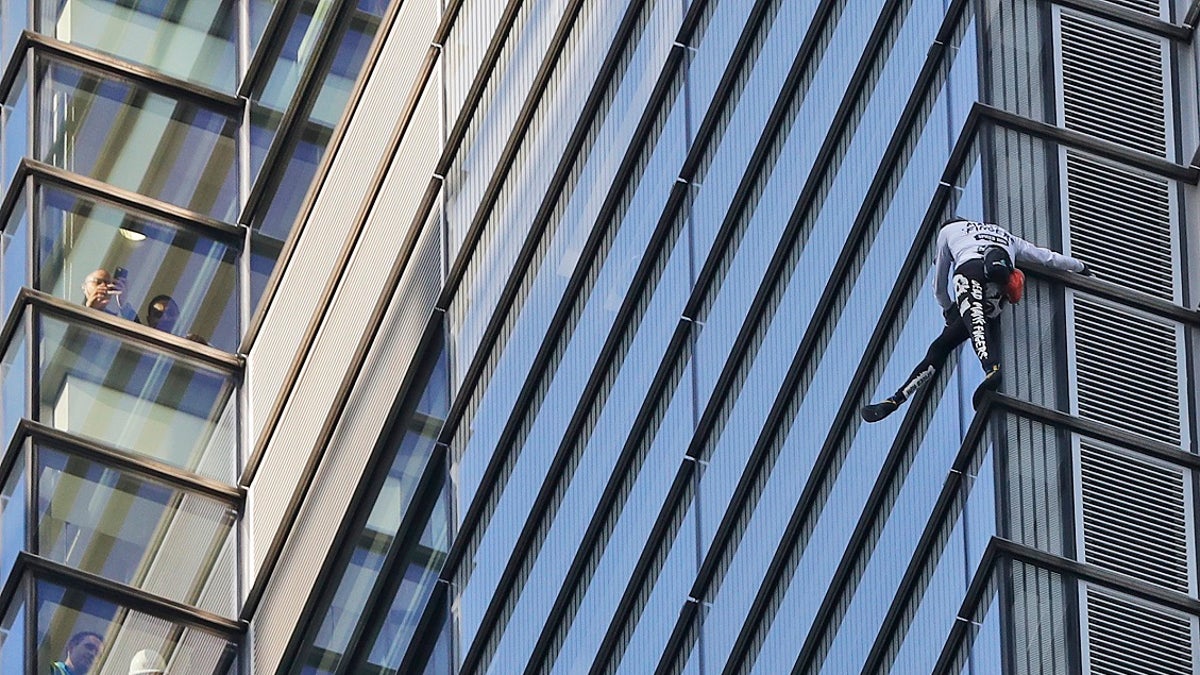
[[963, 240]]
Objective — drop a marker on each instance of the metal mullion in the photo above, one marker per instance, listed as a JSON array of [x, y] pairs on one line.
[[433, 616], [428, 491], [982, 586], [1120, 294], [620, 324], [405, 119], [303, 97], [175, 346], [808, 344], [1099, 431], [133, 598], [127, 199], [541, 220], [33, 493], [952, 498], [270, 38], [15, 64], [97, 451], [842, 586], [565, 308], [375, 319], [1097, 146], [523, 121], [358, 511], [683, 483], [43, 45], [30, 618]]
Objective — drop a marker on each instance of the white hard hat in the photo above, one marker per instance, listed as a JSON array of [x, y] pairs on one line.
[[147, 662]]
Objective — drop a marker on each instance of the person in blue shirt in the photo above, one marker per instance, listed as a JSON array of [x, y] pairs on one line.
[[984, 259], [82, 650]]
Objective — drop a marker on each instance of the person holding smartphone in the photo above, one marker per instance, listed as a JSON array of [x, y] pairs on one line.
[[104, 291]]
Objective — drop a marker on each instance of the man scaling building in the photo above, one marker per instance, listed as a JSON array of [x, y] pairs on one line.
[[984, 257]]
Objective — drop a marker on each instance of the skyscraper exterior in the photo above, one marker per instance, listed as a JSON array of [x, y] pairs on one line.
[[444, 336]]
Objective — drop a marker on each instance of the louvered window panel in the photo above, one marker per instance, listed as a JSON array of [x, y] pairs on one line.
[[1135, 517], [1113, 84], [1125, 637], [1121, 223], [1127, 370], [1148, 7]]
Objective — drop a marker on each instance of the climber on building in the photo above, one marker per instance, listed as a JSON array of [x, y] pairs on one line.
[[984, 257]]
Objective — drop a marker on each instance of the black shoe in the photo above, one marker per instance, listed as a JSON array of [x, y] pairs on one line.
[[873, 412], [991, 382]]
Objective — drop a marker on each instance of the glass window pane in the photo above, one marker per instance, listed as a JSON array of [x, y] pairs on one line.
[[195, 41], [12, 519], [127, 395], [12, 635], [260, 14], [178, 279], [14, 17], [112, 635], [13, 370], [133, 530], [124, 134], [14, 135], [14, 243]]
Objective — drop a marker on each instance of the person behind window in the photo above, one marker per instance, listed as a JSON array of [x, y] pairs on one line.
[[147, 662], [82, 649], [104, 292], [162, 313]]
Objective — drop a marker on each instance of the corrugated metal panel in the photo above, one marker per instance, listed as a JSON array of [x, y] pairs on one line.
[[1126, 637], [1121, 222], [328, 362], [343, 193], [1135, 517], [1127, 369], [1114, 83]]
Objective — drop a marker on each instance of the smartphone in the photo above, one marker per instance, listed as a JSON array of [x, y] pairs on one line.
[[121, 273]]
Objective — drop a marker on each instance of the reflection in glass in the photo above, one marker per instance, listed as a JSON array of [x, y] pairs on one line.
[[131, 529], [195, 41], [129, 136], [79, 235], [12, 635], [129, 396], [14, 134], [14, 15], [301, 156], [123, 632], [13, 371], [14, 254], [419, 564], [12, 518]]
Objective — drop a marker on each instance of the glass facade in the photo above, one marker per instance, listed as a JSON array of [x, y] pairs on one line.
[[646, 261], [685, 244], [143, 143]]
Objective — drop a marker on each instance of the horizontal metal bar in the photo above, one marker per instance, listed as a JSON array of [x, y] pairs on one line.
[[1081, 141], [179, 347], [229, 234], [109, 454], [134, 598], [42, 44], [1097, 286]]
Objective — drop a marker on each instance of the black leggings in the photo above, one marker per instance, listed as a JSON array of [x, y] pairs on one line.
[[970, 293]]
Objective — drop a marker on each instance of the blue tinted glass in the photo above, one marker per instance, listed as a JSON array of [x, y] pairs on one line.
[[179, 279], [194, 41], [130, 529], [12, 517], [163, 147], [14, 254], [115, 635], [120, 392]]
